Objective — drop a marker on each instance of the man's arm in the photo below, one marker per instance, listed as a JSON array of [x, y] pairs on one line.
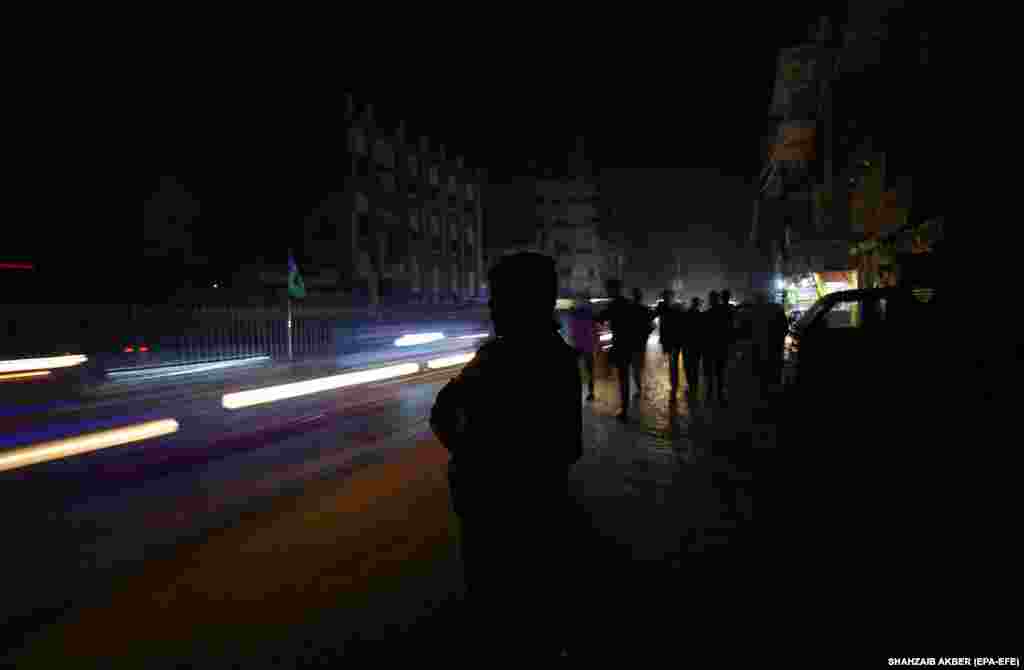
[[450, 415]]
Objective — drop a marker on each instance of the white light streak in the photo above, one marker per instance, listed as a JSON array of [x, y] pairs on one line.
[[449, 361], [175, 370], [418, 338], [82, 444], [284, 391], [606, 337], [48, 363], [472, 337]]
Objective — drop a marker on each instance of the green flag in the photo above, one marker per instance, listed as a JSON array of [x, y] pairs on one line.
[[296, 289]]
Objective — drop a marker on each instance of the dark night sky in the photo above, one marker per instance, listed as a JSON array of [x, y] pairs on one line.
[[252, 129]]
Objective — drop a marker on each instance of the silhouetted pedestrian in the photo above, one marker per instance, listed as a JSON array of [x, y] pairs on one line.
[[731, 309], [644, 327], [717, 339], [693, 345], [768, 327], [670, 332], [512, 440], [621, 317], [583, 331]]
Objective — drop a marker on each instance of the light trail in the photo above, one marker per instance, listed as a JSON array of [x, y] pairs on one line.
[[24, 375], [47, 363], [294, 390], [449, 361], [82, 444], [176, 370]]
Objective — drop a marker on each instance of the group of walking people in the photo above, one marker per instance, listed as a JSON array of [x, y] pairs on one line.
[[703, 338]]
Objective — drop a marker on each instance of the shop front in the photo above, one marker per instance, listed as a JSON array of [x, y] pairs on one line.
[[802, 291]]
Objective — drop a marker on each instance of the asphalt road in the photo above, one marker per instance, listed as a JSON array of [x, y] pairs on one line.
[[240, 523]]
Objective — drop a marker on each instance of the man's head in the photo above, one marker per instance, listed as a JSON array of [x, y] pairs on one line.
[[614, 287], [524, 287], [726, 296], [668, 296], [713, 299], [695, 303], [638, 295]]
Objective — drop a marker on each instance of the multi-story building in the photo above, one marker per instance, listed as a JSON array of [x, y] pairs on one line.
[[839, 164], [569, 222], [560, 214], [405, 222]]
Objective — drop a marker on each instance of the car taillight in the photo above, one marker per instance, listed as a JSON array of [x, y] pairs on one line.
[[128, 350], [143, 348]]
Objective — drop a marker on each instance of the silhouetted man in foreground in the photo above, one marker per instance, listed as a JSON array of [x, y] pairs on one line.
[[512, 421]]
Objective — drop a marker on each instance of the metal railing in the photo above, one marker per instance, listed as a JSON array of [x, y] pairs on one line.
[[124, 336]]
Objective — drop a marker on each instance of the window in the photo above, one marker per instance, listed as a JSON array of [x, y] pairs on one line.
[[394, 250], [358, 141], [417, 277], [414, 166], [469, 191], [414, 223], [363, 224], [434, 177], [383, 154], [386, 181], [451, 184], [324, 231]]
